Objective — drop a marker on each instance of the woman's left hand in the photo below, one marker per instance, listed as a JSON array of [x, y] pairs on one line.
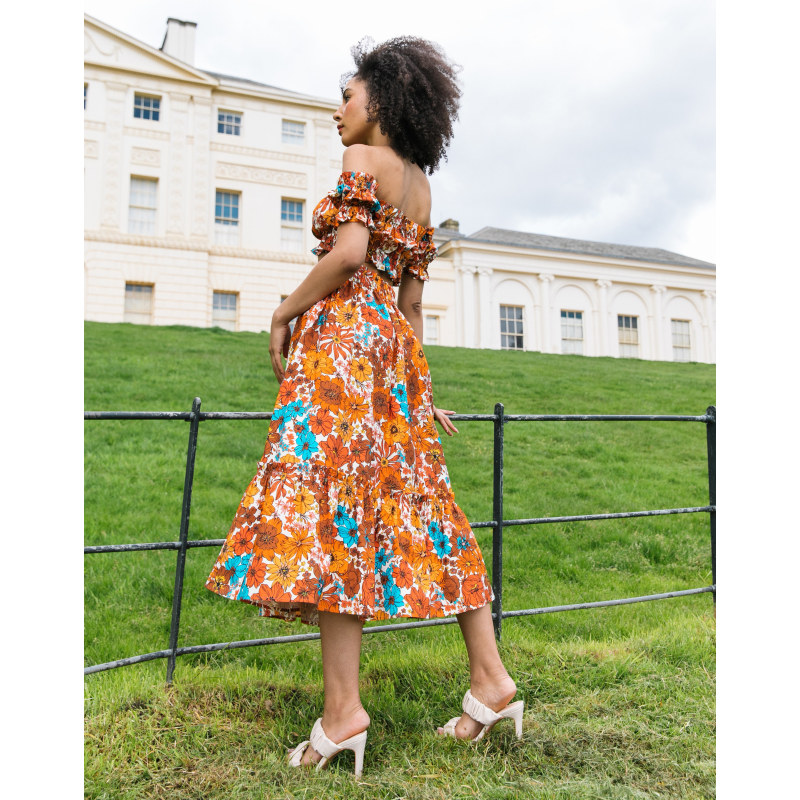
[[442, 417], [279, 336]]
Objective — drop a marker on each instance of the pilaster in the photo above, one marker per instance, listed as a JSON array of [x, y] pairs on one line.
[[112, 159], [467, 280], [603, 286], [546, 314], [657, 322], [485, 306]]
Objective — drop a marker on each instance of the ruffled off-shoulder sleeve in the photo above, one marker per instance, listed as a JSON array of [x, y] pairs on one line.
[[416, 263], [353, 200]]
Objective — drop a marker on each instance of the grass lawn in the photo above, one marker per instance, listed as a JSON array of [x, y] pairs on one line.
[[619, 701]]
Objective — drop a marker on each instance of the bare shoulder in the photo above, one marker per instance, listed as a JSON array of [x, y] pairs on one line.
[[359, 158]]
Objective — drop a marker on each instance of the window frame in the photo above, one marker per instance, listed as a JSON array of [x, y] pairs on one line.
[[427, 338], [235, 126], [628, 335], [129, 312], [227, 228], [154, 110], [506, 335], [687, 348], [293, 138], [226, 323], [572, 349], [144, 179], [291, 242]]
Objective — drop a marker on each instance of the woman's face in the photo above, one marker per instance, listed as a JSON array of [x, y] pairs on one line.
[[351, 116]]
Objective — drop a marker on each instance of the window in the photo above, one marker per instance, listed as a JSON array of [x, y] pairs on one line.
[[146, 106], [511, 333], [292, 225], [293, 132], [628, 335], [223, 311], [85, 92], [681, 340], [142, 205], [430, 330], [226, 218], [229, 122], [572, 332], [138, 303]]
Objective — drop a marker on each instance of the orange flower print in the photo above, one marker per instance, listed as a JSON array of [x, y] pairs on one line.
[[326, 530], [287, 392], [267, 506], [348, 491], [329, 394], [241, 542], [469, 562], [347, 315], [271, 594], [361, 369], [303, 500], [418, 602], [281, 570], [317, 364], [390, 480], [390, 512], [335, 452], [306, 590], [343, 426], [474, 590], [266, 540], [321, 422], [450, 586], [352, 580], [402, 575], [299, 545], [338, 342], [356, 407], [395, 430], [384, 403], [339, 557], [255, 572]]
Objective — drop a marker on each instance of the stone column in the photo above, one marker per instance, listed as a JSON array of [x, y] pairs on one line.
[[709, 317], [485, 306], [114, 188], [467, 278], [603, 287], [657, 322], [546, 316], [177, 180], [201, 200], [322, 157]]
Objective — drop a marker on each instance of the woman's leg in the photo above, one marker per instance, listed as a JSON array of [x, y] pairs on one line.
[[343, 715], [489, 682]]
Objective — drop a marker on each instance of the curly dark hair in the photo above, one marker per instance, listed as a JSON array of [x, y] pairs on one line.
[[413, 95]]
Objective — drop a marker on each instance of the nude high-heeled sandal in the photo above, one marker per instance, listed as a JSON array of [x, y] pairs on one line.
[[328, 749], [488, 718]]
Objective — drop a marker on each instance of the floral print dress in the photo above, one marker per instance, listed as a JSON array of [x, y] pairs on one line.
[[351, 509]]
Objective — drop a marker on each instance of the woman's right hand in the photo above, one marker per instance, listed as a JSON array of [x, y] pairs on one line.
[[279, 336]]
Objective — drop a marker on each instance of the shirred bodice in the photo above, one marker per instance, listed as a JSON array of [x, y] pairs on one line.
[[397, 245]]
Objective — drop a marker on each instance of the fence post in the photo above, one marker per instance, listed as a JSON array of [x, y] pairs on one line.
[[177, 592], [711, 441], [497, 516]]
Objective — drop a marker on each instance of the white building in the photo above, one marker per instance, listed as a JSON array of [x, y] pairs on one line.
[[198, 194]]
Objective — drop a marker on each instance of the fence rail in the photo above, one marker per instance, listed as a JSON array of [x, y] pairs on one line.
[[498, 523]]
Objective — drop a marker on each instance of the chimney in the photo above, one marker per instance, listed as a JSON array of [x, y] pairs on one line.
[[179, 40], [450, 225]]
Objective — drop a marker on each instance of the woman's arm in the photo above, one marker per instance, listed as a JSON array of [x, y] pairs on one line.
[[409, 301], [330, 272]]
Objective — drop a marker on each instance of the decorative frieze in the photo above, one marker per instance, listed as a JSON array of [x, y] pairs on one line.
[[145, 157], [145, 133], [273, 177], [91, 149], [256, 152]]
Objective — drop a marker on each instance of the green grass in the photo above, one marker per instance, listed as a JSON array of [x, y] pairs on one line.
[[619, 701]]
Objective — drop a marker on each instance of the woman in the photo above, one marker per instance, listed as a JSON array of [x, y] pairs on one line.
[[350, 516]]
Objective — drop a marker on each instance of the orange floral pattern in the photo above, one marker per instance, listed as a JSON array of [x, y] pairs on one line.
[[351, 509]]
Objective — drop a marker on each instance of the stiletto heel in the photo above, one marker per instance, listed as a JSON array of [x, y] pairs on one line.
[[328, 749], [488, 718]]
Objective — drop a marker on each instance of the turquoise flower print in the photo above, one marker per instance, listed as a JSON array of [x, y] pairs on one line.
[[305, 444], [380, 308], [462, 543], [290, 411], [441, 541], [239, 566], [400, 393], [392, 598], [347, 527], [382, 561]]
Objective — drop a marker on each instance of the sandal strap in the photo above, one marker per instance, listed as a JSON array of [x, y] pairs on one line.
[[321, 743], [475, 709]]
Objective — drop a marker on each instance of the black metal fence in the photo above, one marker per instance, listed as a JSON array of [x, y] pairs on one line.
[[498, 523]]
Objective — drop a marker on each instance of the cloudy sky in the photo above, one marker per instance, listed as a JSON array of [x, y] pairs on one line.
[[591, 119]]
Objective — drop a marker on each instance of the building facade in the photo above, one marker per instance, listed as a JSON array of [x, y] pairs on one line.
[[197, 200]]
